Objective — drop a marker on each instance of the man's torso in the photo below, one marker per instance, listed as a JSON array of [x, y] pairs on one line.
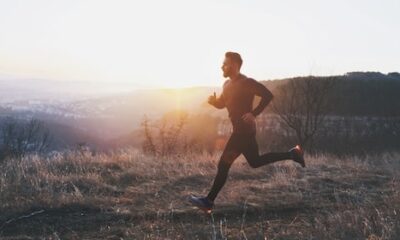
[[238, 98]]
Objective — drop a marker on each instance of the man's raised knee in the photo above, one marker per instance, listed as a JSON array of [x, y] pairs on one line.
[[253, 164]]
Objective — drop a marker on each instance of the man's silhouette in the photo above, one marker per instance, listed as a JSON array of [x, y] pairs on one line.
[[237, 96]]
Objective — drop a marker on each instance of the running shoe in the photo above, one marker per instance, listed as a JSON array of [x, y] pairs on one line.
[[298, 155], [202, 203]]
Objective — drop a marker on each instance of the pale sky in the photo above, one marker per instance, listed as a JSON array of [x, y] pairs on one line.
[[182, 43]]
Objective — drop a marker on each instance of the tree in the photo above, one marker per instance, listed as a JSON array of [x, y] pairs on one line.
[[177, 132], [148, 145], [302, 105], [20, 138], [169, 129]]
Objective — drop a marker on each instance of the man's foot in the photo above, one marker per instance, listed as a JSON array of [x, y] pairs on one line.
[[298, 155], [202, 203]]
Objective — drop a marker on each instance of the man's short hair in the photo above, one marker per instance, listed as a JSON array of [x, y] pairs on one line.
[[234, 56]]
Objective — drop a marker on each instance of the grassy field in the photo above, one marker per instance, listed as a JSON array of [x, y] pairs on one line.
[[126, 195]]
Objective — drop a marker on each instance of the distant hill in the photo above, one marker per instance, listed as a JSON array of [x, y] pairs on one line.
[[359, 93]]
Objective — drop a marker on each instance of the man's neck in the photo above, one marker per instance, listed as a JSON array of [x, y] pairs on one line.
[[235, 76]]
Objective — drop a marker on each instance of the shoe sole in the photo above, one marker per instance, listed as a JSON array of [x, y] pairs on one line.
[[301, 159], [300, 156], [204, 209]]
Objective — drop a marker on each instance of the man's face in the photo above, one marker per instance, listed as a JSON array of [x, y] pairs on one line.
[[229, 67]]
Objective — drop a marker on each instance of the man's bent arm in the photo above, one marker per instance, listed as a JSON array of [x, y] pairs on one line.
[[219, 102], [266, 96]]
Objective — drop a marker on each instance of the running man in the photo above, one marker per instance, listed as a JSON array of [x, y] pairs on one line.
[[237, 96]]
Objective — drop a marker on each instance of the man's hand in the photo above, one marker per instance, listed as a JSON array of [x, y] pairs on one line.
[[212, 99], [248, 118]]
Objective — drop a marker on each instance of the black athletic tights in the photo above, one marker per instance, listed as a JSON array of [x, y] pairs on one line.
[[245, 144]]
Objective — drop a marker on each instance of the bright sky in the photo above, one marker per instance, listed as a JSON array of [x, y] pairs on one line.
[[179, 43]]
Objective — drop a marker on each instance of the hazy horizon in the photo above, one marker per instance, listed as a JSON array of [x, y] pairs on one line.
[[22, 89]]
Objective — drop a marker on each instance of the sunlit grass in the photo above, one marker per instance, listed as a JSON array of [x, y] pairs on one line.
[[332, 198]]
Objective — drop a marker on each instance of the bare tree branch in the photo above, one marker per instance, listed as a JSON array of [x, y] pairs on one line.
[[302, 105]]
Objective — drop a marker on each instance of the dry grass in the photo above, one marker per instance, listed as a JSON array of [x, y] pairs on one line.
[[126, 195]]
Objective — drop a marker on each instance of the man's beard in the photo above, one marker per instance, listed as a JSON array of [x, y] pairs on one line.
[[226, 74]]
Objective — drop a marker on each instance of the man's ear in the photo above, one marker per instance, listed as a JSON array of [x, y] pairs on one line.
[[237, 67]]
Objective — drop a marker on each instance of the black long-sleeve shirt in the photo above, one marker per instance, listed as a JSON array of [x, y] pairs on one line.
[[237, 96]]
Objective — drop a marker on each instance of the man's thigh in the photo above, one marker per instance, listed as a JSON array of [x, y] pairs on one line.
[[250, 150], [232, 150]]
